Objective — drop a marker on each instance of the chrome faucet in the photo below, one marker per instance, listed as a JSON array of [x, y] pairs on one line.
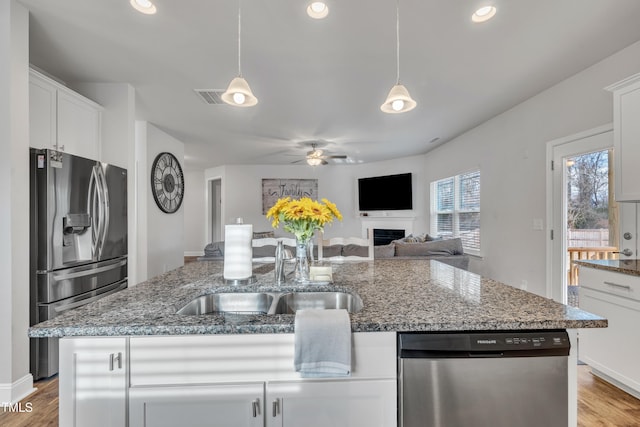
[[282, 254]]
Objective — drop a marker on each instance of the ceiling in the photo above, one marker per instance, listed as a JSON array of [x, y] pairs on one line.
[[324, 80]]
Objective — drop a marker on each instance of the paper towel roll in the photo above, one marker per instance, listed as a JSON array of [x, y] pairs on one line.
[[238, 251]]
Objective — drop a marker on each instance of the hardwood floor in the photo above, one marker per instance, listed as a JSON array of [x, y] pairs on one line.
[[599, 405], [43, 404]]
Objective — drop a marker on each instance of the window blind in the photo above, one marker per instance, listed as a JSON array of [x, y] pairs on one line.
[[455, 209]]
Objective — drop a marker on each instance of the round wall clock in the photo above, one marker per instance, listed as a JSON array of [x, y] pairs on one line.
[[167, 182]]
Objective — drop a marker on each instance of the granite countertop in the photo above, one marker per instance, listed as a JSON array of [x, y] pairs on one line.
[[624, 266], [398, 295]]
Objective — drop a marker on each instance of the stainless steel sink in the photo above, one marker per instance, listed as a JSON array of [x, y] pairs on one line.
[[289, 303], [270, 303], [239, 303]]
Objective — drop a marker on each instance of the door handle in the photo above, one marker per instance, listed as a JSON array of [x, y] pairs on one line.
[[276, 407], [625, 252], [255, 406]]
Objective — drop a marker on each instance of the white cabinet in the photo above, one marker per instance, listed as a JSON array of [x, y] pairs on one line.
[[230, 376], [626, 138], [347, 403], [612, 352], [93, 382], [239, 405], [338, 403], [61, 119]]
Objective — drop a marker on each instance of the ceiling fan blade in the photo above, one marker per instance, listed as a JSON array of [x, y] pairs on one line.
[[298, 161], [337, 156]]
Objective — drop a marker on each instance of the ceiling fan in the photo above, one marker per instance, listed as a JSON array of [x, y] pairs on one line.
[[316, 156]]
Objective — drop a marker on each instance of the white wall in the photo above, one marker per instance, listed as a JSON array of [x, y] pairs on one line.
[[15, 379], [194, 213], [510, 152], [165, 232]]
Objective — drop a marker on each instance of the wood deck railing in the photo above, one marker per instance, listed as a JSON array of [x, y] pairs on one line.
[[587, 253]]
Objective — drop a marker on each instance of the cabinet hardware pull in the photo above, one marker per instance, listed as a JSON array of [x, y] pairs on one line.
[[276, 407], [615, 285], [112, 361], [255, 405]]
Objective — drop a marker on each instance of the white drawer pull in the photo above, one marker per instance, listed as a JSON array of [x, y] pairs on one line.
[[615, 285]]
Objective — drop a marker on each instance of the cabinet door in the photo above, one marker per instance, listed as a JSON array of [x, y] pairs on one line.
[[338, 403], [42, 113], [626, 130], [93, 382], [613, 350], [238, 405], [78, 125]]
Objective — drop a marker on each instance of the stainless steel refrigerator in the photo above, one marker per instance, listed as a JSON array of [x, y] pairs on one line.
[[78, 240]]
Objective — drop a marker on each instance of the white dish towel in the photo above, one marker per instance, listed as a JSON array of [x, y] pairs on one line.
[[322, 343]]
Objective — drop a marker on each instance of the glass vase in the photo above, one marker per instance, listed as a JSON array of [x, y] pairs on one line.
[[301, 270]]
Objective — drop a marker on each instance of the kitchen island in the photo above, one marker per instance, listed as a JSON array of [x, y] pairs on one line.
[[611, 288], [154, 363]]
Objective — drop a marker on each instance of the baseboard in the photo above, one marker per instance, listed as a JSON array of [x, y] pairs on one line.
[[18, 390], [622, 386], [193, 253]]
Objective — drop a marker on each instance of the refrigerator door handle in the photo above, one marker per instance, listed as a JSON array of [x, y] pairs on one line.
[[91, 208], [102, 181], [84, 271], [75, 302]]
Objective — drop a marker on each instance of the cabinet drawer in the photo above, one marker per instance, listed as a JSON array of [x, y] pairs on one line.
[[208, 359], [619, 284]]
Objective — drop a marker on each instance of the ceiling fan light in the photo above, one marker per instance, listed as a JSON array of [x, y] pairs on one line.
[[317, 10], [398, 101], [144, 6], [239, 94], [314, 161]]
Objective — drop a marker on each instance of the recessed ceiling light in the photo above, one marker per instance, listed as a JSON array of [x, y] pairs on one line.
[[483, 14], [144, 6], [317, 10]]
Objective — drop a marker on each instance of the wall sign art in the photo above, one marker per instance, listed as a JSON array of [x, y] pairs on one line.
[[276, 188]]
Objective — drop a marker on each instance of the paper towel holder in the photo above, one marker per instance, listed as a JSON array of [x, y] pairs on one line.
[[241, 282]]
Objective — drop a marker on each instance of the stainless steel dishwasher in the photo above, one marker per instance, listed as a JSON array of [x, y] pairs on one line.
[[510, 379]]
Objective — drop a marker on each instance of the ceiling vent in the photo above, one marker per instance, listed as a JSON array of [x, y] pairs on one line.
[[211, 96]]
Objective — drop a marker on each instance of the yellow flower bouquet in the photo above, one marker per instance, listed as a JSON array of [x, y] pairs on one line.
[[303, 216]]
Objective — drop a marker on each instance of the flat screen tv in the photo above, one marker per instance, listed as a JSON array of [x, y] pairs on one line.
[[385, 193]]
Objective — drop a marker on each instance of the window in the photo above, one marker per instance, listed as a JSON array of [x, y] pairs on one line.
[[455, 209]]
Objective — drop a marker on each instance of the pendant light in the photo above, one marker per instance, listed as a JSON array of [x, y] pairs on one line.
[[398, 100], [239, 93]]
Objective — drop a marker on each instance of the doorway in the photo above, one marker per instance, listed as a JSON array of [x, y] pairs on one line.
[[584, 220], [214, 208], [591, 214]]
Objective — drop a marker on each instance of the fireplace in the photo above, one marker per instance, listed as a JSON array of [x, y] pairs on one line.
[[384, 236]]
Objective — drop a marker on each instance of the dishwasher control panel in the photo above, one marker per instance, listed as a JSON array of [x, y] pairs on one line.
[[483, 343]]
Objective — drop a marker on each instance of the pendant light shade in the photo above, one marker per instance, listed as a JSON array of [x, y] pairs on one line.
[[239, 93], [398, 100]]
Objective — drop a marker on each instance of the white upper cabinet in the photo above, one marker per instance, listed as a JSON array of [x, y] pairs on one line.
[[62, 119], [626, 138]]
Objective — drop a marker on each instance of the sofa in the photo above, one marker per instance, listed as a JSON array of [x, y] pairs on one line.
[[424, 246]]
